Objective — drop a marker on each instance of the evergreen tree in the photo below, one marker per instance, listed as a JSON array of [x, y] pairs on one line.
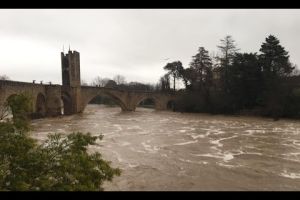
[[274, 59], [245, 80], [189, 77], [202, 67], [276, 66]]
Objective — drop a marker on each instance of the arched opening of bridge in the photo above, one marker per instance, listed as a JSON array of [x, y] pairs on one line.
[[171, 105], [40, 106], [5, 111], [66, 104], [104, 100], [148, 103]]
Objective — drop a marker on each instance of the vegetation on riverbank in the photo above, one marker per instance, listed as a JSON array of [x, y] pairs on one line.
[[61, 163], [264, 83]]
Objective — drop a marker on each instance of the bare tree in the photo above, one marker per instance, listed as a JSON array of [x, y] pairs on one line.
[[119, 79], [228, 50], [101, 82], [4, 77], [164, 83]]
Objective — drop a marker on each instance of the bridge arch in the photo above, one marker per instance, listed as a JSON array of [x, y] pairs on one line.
[[171, 104], [143, 98], [114, 97], [40, 105], [6, 112]]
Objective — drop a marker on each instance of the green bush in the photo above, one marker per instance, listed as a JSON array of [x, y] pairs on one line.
[[61, 163]]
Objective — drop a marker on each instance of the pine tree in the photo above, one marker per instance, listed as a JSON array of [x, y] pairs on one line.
[[202, 66], [276, 66], [274, 59]]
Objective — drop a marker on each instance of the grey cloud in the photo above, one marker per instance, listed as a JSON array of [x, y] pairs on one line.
[[136, 42]]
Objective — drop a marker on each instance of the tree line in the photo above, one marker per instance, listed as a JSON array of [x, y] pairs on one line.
[[119, 81], [263, 83]]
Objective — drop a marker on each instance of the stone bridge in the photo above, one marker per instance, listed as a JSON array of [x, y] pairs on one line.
[[71, 97], [127, 100], [50, 99]]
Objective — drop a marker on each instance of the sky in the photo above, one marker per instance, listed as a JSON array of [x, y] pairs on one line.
[[135, 43]]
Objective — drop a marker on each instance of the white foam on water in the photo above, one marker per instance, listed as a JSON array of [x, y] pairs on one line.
[[290, 175], [195, 162], [217, 142], [253, 153], [185, 143], [276, 129], [164, 120], [156, 148], [226, 165], [134, 127], [228, 157], [138, 151], [182, 131], [208, 155], [292, 154], [208, 132], [148, 148], [133, 165], [214, 148], [249, 132], [118, 126], [119, 158], [253, 131], [198, 136], [296, 142], [124, 144], [218, 132]]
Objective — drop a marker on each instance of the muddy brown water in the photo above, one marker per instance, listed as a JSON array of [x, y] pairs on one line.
[[163, 150]]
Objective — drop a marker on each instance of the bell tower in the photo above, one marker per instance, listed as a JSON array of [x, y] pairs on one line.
[[71, 83], [70, 64]]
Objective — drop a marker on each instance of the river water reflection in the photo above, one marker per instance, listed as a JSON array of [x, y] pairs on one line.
[[161, 150]]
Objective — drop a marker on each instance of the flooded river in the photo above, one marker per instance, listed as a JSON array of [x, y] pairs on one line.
[[161, 150]]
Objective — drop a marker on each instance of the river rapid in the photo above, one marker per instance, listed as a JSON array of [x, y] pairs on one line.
[[164, 150]]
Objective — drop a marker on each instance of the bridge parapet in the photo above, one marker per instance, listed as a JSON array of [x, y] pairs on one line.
[[19, 83], [130, 90]]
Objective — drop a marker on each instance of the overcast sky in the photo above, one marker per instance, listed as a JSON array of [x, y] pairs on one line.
[[133, 43]]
